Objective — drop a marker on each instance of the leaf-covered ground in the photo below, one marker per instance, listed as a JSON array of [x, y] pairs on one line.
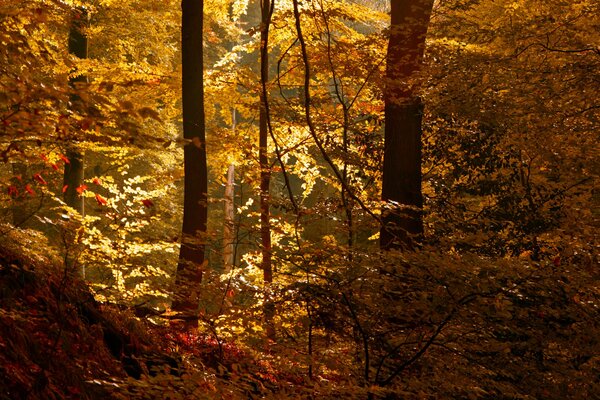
[[433, 327], [58, 342]]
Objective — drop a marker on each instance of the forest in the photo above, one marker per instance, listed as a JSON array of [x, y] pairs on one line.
[[299, 199]]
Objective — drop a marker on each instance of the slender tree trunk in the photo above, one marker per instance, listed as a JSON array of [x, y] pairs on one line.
[[266, 7], [402, 220], [73, 172], [191, 256], [229, 226]]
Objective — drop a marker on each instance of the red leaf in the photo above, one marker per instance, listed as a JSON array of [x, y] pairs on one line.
[[43, 157], [65, 159], [64, 189], [81, 189], [29, 190], [55, 167], [148, 203], [13, 191], [230, 293], [101, 200], [39, 178], [96, 181]]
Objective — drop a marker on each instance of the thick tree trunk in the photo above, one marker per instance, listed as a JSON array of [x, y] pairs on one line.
[[263, 158], [72, 179], [191, 256], [265, 173], [73, 172], [402, 220]]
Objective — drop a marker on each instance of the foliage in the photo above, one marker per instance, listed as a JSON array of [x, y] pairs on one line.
[[44, 329], [510, 139]]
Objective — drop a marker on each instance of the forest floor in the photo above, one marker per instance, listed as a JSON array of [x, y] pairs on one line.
[[58, 342]]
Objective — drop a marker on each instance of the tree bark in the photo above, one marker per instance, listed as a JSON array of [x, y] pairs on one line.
[[191, 256], [229, 226], [73, 171], [263, 158], [22, 210], [402, 219], [265, 173]]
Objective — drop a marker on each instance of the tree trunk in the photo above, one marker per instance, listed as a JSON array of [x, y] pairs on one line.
[[191, 256], [265, 173], [73, 172], [229, 226], [22, 210], [402, 220], [72, 179], [266, 7]]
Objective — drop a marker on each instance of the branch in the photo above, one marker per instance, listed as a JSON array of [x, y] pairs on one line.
[[309, 121], [465, 300]]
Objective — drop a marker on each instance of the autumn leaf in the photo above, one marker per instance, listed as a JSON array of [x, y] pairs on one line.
[[65, 159], [40, 179], [55, 167], [82, 188], [148, 203], [29, 190], [101, 200], [96, 181], [13, 191], [64, 189]]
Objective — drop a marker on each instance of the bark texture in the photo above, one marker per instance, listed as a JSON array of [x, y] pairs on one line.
[[402, 220], [229, 225], [191, 256], [266, 8], [263, 158], [74, 170]]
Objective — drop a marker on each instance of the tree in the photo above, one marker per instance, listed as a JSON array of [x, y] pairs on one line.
[[266, 11], [266, 8], [191, 256], [511, 166], [74, 169], [402, 220], [228, 226]]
